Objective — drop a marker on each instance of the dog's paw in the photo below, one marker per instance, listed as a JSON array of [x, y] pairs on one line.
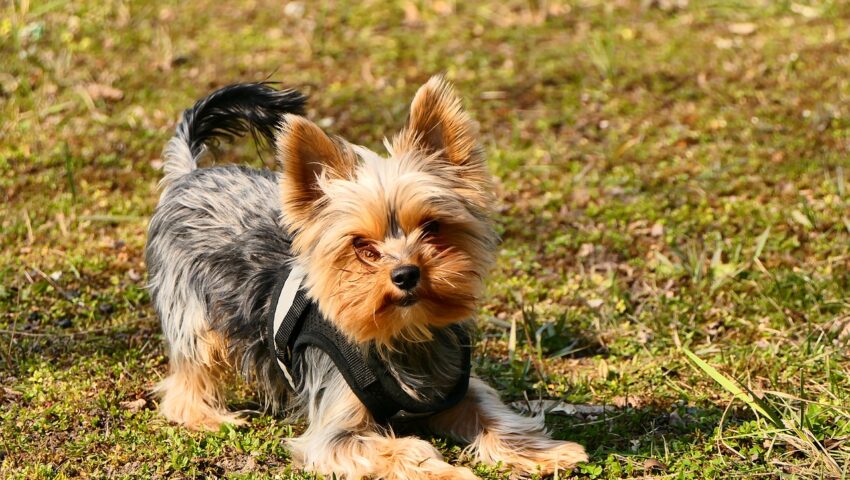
[[452, 473], [415, 459], [558, 456]]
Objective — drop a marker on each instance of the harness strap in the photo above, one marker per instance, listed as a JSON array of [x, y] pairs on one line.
[[295, 324], [287, 311]]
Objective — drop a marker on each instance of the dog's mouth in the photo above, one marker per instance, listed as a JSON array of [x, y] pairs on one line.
[[407, 300]]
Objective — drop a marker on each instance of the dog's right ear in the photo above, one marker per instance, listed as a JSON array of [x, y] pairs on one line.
[[308, 157]]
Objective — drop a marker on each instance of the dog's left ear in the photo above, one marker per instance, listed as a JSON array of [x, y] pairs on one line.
[[438, 123]]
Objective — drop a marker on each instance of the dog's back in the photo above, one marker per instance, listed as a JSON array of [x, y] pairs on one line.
[[215, 235]]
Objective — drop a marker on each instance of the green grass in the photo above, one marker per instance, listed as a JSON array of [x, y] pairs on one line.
[[668, 179]]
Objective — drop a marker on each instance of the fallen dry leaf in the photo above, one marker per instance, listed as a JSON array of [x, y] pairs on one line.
[[651, 464], [657, 230], [250, 465], [99, 91], [133, 406], [585, 250], [623, 402], [8, 393], [744, 28]]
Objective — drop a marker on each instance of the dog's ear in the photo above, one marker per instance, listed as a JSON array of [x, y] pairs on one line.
[[308, 156], [438, 123]]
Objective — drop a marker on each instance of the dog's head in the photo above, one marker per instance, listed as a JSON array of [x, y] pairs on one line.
[[392, 245]]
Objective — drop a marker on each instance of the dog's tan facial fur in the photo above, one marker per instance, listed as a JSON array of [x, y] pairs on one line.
[[357, 215]]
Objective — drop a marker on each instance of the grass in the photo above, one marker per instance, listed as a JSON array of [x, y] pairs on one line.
[[672, 177]]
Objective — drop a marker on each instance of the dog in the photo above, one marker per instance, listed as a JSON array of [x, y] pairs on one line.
[[343, 287]]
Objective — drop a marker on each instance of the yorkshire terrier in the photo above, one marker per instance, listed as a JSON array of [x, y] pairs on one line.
[[342, 287]]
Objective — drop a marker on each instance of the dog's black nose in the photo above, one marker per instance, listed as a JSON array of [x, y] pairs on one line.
[[405, 277]]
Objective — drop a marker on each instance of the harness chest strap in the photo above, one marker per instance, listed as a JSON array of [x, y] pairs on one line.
[[284, 307], [295, 323]]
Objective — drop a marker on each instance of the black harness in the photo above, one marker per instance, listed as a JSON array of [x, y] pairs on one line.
[[295, 323]]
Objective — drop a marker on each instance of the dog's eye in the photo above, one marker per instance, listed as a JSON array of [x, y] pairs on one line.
[[366, 250], [431, 228]]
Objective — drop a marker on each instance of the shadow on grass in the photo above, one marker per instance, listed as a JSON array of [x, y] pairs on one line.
[[633, 435], [63, 348]]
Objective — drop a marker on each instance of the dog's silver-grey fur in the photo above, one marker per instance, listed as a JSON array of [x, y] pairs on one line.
[[215, 246]]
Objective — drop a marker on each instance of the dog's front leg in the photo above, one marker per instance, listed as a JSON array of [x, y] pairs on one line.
[[496, 434], [342, 438]]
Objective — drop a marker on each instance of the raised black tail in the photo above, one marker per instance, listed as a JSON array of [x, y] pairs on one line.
[[227, 113]]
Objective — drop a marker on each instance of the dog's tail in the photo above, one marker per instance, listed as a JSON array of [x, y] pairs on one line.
[[227, 113]]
